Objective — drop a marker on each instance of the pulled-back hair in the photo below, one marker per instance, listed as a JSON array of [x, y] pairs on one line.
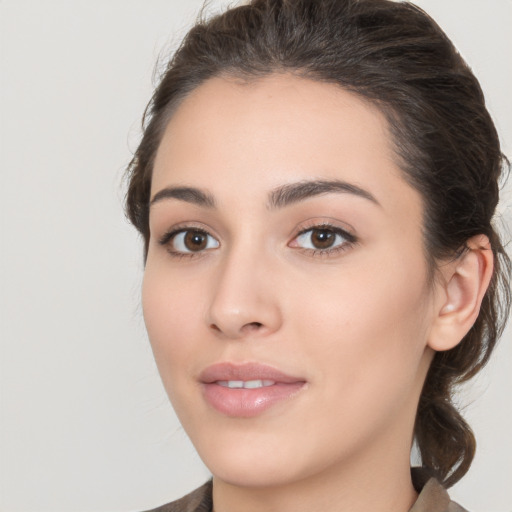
[[394, 55]]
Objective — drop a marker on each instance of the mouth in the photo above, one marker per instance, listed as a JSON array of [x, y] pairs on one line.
[[247, 390]]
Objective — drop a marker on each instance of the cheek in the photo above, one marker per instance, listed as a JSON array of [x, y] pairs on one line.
[[369, 326], [171, 316]]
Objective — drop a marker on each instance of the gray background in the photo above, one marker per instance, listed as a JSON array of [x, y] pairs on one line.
[[84, 422]]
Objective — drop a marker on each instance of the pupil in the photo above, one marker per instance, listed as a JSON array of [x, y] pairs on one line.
[[195, 241], [322, 238]]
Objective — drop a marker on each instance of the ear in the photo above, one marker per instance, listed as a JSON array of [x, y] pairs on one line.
[[461, 288]]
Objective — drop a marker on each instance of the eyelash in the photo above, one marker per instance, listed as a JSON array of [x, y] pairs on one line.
[[349, 241]]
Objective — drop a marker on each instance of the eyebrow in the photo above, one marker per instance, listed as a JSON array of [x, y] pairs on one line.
[[280, 197], [295, 192], [188, 194]]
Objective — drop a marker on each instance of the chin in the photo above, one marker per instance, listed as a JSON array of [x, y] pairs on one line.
[[253, 476], [252, 468]]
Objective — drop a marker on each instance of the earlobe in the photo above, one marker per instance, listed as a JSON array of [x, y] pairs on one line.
[[465, 282]]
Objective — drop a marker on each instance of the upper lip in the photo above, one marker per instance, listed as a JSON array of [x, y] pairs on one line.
[[246, 372]]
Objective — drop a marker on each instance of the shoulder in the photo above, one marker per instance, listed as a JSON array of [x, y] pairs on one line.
[[199, 500]]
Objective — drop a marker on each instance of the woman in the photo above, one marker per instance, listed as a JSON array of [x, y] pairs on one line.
[[315, 187]]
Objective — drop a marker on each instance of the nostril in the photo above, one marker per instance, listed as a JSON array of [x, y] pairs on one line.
[[245, 328], [253, 326]]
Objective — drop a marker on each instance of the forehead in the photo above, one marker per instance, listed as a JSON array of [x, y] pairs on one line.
[[231, 136]]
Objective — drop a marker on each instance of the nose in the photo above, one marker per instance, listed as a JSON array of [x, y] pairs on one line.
[[244, 302]]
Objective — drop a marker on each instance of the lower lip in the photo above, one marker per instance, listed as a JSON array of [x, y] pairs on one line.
[[247, 403]]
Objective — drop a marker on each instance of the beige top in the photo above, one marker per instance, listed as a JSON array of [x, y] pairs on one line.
[[432, 498]]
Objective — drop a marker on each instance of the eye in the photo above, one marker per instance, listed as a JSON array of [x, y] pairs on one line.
[[189, 241], [323, 239]]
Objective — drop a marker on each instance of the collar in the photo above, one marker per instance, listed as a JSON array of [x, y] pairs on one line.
[[432, 496]]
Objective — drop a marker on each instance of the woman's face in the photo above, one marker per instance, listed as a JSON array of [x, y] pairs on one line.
[[285, 292]]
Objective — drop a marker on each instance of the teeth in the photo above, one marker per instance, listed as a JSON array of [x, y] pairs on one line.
[[233, 384], [249, 384]]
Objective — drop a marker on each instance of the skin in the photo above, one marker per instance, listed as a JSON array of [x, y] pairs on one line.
[[358, 324]]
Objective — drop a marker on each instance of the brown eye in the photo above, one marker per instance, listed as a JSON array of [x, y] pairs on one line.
[[322, 238], [192, 240], [195, 241]]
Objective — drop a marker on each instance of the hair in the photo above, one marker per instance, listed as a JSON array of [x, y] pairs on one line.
[[394, 55]]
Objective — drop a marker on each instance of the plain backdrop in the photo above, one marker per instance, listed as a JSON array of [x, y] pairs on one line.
[[84, 421]]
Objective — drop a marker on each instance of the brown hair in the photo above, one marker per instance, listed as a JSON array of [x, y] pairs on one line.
[[396, 56]]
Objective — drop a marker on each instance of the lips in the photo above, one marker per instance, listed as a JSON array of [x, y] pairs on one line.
[[247, 390]]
